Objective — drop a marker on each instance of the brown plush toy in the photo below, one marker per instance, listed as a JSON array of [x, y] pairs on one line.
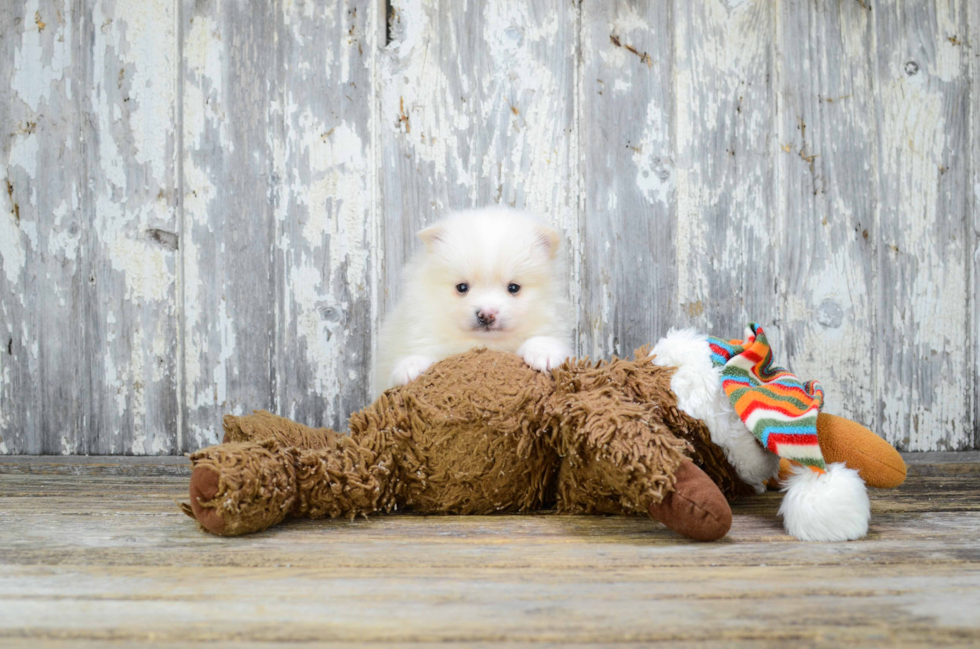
[[475, 434], [481, 432]]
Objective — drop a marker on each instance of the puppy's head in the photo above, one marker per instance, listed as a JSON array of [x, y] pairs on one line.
[[494, 273]]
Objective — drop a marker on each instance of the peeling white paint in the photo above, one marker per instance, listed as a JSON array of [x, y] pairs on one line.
[[145, 268], [204, 90], [690, 236], [927, 400], [148, 57], [134, 391], [337, 199], [654, 171], [12, 253], [14, 220], [722, 113], [63, 240], [228, 339], [43, 56], [326, 211], [199, 193], [4, 386]]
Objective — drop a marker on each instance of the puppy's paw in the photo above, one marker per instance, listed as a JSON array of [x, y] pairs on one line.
[[544, 353], [409, 369]]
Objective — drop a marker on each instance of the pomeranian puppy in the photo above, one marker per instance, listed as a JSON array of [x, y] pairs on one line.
[[484, 278]]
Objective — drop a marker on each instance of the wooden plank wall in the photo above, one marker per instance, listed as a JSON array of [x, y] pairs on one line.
[[206, 204]]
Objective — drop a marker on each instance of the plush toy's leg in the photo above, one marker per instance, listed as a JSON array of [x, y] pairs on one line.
[[696, 507], [237, 488], [619, 457]]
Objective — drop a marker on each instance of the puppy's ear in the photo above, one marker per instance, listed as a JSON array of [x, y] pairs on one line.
[[431, 235], [549, 239]]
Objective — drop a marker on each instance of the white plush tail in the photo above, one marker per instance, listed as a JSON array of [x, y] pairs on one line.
[[832, 506]]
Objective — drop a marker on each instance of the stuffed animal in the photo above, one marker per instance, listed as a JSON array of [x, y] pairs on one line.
[[481, 432], [766, 419]]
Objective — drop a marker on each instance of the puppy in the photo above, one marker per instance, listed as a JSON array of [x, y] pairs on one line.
[[484, 278]]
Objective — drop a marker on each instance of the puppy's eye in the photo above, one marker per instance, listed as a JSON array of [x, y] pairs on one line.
[[514, 288], [462, 288]]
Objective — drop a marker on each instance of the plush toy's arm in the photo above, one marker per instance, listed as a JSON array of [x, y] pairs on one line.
[[243, 487], [262, 425]]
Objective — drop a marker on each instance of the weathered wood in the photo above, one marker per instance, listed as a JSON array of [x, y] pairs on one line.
[[108, 558], [326, 249], [228, 84], [973, 237], [824, 225], [477, 108], [96, 465], [924, 373], [725, 158], [279, 281], [628, 270], [88, 230], [204, 207]]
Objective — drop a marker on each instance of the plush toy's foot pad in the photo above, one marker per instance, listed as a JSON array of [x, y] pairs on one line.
[[876, 461], [204, 487], [696, 507]]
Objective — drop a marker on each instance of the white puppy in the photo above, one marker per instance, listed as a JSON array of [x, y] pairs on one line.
[[484, 278]]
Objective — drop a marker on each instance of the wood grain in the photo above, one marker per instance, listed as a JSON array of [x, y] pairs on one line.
[[825, 211], [924, 244], [106, 557], [629, 293], [973, 237], [229, 72], [88, 230], [205, 207], [477, 108], [326, 251], [725, 164]]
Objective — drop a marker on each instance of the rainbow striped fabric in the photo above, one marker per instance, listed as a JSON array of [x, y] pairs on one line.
[[779, 409]]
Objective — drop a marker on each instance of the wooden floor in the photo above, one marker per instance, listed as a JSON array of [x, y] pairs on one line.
[[94, 552]]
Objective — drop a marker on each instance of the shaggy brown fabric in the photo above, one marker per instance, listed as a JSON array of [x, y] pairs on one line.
[[256, 485], [262, 425], [477, 433]]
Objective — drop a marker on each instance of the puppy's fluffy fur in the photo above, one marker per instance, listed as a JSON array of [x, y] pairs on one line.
[[459, 294]]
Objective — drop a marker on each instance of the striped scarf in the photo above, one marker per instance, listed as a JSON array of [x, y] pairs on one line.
[[779, 409]]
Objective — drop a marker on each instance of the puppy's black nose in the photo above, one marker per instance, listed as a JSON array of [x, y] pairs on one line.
[[486, 317]]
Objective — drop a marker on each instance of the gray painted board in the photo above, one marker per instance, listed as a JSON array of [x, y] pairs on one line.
[[205, 206], [326, 244], [925, 240], [628, 140], [825, 226], [477, 107], [973, 236], [725, 164], [88, 292], [228, 85]]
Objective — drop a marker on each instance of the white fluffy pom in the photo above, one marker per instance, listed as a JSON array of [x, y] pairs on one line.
[[832, 506]]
